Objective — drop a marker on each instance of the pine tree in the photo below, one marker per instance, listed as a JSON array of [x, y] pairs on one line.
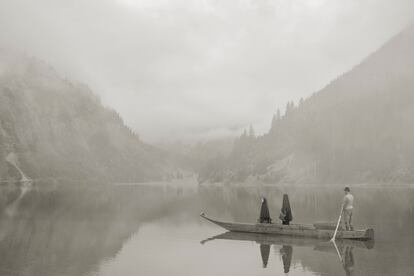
[[244, 133], [274, 122], [288, 109], [251, 132]]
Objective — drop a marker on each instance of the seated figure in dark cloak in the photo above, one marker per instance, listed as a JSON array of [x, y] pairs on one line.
[[285, 213], [264, 212]]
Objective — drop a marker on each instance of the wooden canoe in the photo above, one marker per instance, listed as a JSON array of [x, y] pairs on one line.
[[298, 230]]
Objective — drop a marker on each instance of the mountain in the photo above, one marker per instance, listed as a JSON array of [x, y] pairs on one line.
[[359, 128], [51, 127]]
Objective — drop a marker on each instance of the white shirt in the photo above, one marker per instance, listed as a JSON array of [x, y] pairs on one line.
[[348, 202]]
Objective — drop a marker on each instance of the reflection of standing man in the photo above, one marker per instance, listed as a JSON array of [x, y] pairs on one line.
[[348, 261], [286, 253], [348, 208]]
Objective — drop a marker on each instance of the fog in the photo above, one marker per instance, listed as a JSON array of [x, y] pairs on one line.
[[134, 133], [191, 70]]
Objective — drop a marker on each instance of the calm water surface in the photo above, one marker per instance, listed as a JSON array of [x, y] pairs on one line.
[[155, 229]]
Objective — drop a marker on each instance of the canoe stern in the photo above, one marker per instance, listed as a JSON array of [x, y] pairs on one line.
[[369, 233]]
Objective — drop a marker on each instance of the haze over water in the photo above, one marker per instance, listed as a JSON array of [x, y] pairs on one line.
[[156, 230]]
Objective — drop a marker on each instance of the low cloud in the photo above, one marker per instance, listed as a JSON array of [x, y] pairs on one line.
[[190, 69]]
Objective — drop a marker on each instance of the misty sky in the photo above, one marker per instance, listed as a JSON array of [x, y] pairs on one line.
[[199, 69]]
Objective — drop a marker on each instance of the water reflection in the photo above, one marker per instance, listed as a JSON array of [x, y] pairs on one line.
[[264, 252], [348, 260], [286, 253], [70, 229], [24, 187], [284, 247], [48, 230]]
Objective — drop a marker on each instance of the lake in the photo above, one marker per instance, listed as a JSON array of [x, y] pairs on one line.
[[154, 229]]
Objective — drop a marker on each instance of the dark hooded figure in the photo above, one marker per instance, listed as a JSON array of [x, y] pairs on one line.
[[264, 212], [286, 212]]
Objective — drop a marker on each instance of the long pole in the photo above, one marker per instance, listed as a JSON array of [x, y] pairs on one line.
[[337, 225]]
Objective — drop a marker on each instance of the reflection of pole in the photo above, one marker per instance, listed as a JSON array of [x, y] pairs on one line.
[[337, 250]]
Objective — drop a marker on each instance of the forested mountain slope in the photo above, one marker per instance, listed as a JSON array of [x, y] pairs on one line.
[[54, 128], [359, 128]]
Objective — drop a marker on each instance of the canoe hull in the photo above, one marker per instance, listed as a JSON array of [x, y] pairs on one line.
[[299, 230]]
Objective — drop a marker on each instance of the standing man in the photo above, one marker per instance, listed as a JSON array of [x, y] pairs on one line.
[[348, 203]]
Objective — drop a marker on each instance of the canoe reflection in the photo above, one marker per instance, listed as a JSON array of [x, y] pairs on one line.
[[287, 243]]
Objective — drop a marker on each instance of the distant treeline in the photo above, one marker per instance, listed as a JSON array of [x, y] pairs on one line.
[[359, 128]]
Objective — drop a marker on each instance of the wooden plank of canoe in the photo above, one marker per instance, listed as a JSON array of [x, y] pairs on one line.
[[296, 230], [293, 230], [327, 225]]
